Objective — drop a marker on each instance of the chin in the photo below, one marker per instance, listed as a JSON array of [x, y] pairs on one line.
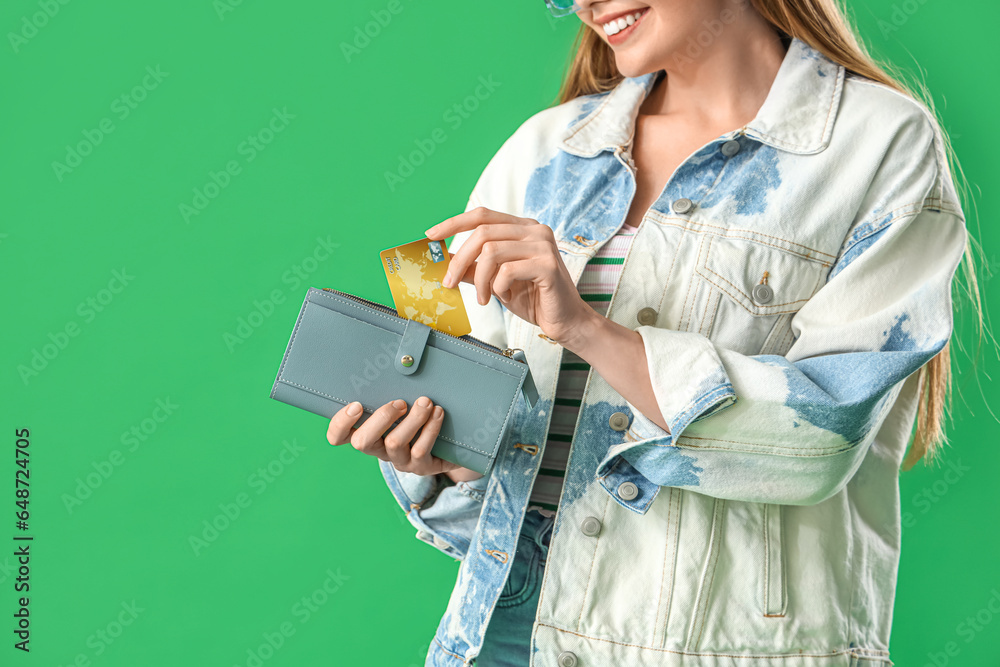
[[632, 65]]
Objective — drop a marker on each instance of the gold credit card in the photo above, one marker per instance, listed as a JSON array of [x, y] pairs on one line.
[[415, 271]]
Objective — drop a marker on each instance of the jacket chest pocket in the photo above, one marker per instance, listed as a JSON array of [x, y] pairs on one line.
[[750, 291]]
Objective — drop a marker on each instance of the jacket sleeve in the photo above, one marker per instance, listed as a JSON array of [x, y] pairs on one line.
[[793, 429], [446, 513]]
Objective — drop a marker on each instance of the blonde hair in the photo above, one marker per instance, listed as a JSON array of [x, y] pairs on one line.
[[823, 25]]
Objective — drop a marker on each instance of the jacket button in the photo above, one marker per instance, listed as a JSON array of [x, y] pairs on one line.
[[618, 421], [439, 543], [628, 491], [682, 205], [566, 659], [646, 316], [731, 148], [762, 293], [591, 526]]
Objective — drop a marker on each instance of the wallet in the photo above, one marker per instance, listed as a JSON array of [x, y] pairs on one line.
[[345, 348]]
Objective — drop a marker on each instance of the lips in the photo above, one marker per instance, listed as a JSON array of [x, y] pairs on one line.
[[619, 28]]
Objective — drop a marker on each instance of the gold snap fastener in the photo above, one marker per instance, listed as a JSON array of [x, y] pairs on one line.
[[407, 360]]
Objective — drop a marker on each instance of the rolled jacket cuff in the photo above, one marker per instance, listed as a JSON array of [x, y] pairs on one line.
[[445, 513], [689, 383]]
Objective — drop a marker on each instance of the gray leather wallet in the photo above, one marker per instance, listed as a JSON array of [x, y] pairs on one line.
[[345, 348]]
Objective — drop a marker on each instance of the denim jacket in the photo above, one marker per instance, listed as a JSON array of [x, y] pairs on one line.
[[787, 283]]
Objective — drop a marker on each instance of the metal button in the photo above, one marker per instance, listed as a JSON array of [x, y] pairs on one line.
[[618, 421], [646, 316], [682, 205], [627, 491], [438, 542], [407, 360], [591, 526], [762, 293], [566, 659], [731, 148], [423, 535]]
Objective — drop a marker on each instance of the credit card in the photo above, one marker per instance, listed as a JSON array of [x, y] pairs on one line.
[[415, 271]]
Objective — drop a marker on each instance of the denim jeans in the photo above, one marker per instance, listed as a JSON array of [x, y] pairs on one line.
[[508, 636]]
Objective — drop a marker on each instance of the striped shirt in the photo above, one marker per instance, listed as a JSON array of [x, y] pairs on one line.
[[596, 285]]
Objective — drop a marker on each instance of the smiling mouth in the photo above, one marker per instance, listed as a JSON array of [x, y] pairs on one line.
[[619, 29]]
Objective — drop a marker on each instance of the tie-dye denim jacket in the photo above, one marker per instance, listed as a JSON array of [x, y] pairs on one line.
[[787, 283]]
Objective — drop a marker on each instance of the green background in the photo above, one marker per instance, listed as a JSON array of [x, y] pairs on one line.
[[167, 335]]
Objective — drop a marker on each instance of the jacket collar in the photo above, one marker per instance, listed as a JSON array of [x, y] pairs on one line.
[[797, 116]]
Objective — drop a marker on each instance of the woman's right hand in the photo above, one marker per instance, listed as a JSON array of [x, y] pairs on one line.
[[395, 446]]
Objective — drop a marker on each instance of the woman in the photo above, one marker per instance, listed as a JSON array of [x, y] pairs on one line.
[[727, 254]]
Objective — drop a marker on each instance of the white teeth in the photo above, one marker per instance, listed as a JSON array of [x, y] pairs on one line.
[[616, 26]]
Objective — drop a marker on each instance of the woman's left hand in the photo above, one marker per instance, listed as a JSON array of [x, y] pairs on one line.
[[519, 262]]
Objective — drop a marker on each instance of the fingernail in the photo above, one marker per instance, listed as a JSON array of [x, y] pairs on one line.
[[399, 404], [354, 409], [447, 279], [438, 412], [423, 401], [430, 232]]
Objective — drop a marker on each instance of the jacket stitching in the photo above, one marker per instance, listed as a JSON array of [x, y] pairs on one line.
[[720, 510], [837, 91], [895, 214], [728, 233], [704, 315], [825, 451], [499, 555], [707, 397], [767, 566], [852, 651], [594, 114], [739, 301], [590, 575], [669, 555], [445, 649], [670, 273], [702, 252]]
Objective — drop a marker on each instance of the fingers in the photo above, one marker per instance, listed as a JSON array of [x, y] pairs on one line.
[[470, 220], [341, 429], [423, 420], [421, 458], [397, 441], [496, 254], [505, 228]]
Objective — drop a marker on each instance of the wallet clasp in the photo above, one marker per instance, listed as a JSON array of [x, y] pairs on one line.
[[411, 347]]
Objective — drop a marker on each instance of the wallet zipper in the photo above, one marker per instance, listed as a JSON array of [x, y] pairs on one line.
[[507, 352]]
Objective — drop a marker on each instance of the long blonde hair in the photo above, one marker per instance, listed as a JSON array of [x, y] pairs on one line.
[[823, 25]]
